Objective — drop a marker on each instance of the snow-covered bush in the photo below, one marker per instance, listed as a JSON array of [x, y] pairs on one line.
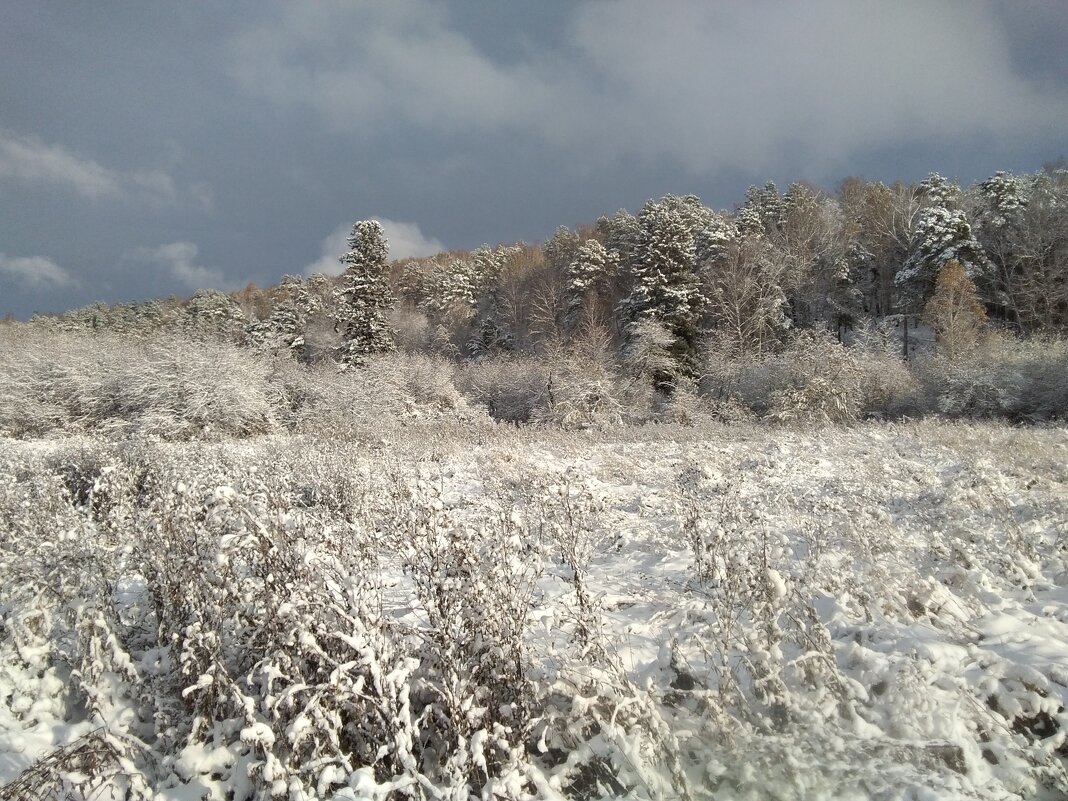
[[475, 586], [822, 385], [427, 380], [1001, 377], [585, 388], [179, 389], [167, 387], [889, 388], [813, 380], [511, 389]]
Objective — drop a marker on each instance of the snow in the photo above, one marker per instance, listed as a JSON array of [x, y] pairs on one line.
[[878, 611]]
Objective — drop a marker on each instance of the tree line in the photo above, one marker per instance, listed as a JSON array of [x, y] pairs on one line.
[[672, 281]]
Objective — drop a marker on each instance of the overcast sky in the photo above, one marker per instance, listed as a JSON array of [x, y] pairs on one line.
[[149, 149]]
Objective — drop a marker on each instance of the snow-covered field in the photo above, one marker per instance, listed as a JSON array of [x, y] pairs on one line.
[[879, 611]]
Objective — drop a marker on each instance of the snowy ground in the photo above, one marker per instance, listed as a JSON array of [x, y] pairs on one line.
[[731, 612]]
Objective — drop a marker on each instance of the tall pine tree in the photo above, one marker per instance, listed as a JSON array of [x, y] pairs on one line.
[[665, 286], [363, 297]]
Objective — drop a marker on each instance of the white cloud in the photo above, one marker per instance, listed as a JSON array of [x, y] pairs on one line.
[[28, 162], [405, 241], [709, 86], [330, 251], [35, 272], [179, 260]]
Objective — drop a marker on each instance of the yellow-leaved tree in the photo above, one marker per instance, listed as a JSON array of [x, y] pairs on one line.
[[954, 311]]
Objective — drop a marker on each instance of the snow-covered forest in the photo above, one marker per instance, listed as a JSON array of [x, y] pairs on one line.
[[682, 504]]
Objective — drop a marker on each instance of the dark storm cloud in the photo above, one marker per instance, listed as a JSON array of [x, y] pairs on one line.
[[148, 149]]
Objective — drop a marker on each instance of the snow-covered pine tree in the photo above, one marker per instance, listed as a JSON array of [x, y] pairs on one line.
[[561, 249], [149, 315], [765, 205], [619, 233], [997, 208], [316, 303], [998, 203], [492, 333], [211, 313], [283, 330], [363, 297], [937, 190], [490, 263], [317, 293], [587, 276], [665, 286], [942, 233], [811, 240]]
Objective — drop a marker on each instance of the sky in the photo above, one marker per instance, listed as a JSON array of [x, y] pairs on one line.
[[151, 149]]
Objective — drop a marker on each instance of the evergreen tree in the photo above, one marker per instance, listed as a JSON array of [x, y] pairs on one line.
[[942, 234], [284, 329], [587, 276], [212, 313], [1022, 224], [619, 233], [561, 249], [936, 190], [320, 331], [665, 285], [489, 263], [812, 242], [363, 297], [149, 316], [493, 333], [763, 204]]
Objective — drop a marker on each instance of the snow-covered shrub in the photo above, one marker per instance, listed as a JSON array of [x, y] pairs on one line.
[[889, 388], [475, 585], [282, 656], [787, 650], [172, 388], [584, 386], [427, 381], [66, 647], [365, 402], [88, 767], [600, 733], [648, 354], [180, 389], [1001, 377], [414, 333], [822, 384], [189, 391], [813, 380], [683, 406], [511, 389]]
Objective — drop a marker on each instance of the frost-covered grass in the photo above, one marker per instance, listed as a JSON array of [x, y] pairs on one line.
[[878, 611]]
